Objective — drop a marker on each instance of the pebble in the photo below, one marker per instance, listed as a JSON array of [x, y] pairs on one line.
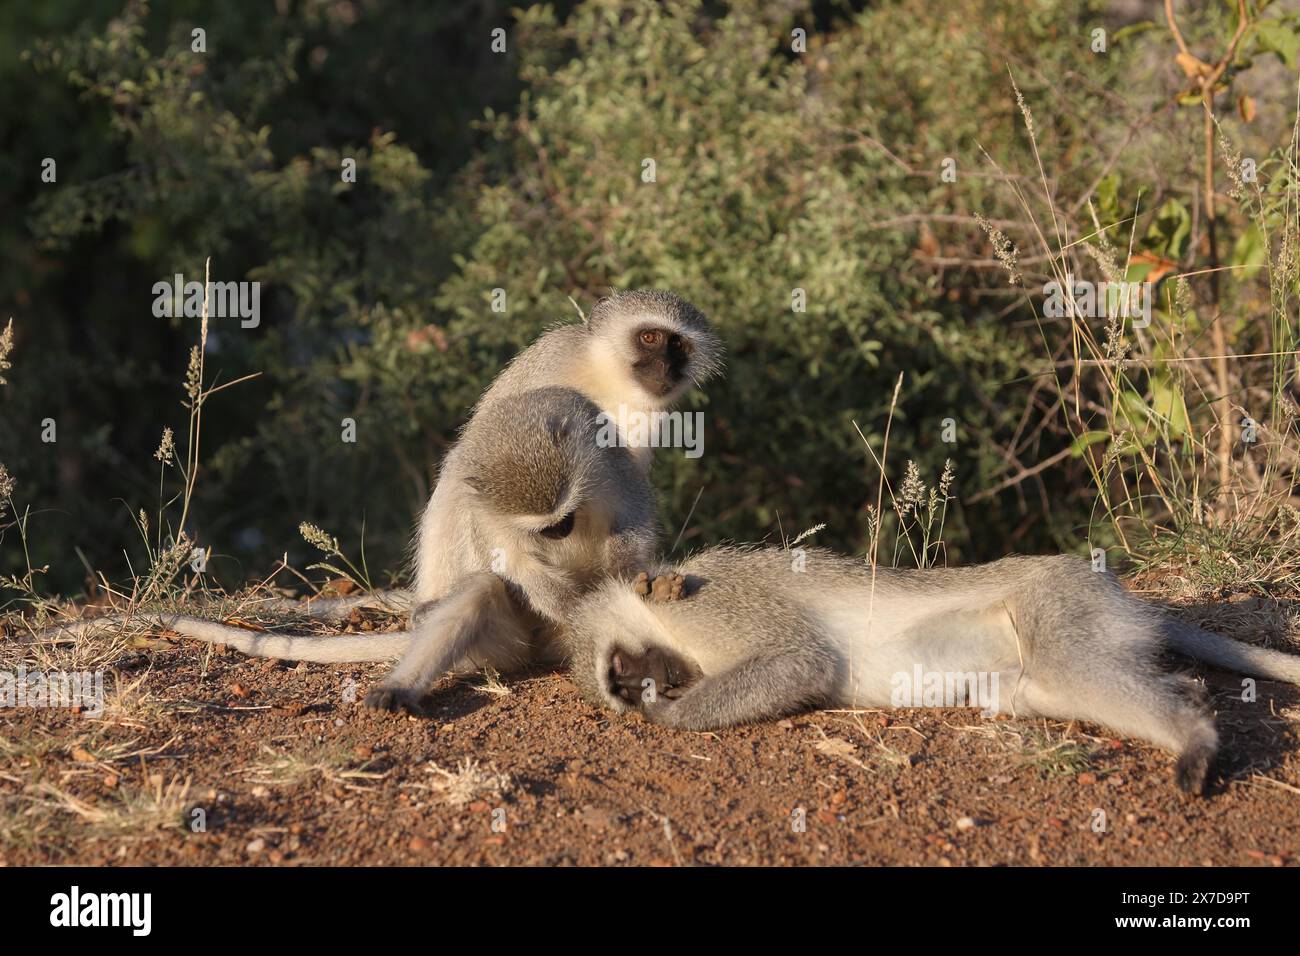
[[255, 846], [965, 823]]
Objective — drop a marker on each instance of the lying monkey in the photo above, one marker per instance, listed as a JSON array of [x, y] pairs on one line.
[[750, 638]]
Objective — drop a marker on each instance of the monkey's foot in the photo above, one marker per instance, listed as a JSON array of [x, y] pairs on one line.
[[395, 700], [664, 588], [1193, 769], [642, 678]]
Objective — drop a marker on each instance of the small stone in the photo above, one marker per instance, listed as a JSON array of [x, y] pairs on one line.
[[255, 846], [966, 823], [418, 845]]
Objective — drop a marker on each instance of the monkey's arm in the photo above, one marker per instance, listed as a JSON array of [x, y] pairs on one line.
[[548, 591], [476, 625], [769, 684], [628, 551]]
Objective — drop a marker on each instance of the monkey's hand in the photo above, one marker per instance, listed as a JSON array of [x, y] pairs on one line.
[[662, 589], [648, 679]]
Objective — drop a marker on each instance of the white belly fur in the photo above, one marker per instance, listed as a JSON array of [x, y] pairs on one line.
[[899, 634]]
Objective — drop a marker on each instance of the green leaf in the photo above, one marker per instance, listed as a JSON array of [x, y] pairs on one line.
[[1083, 441], [1281, 38], [1170, 230], [1167, 402], [1250, 251]]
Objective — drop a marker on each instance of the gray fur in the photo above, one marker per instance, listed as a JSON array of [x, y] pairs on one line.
[[1064, 641], [522, 463]]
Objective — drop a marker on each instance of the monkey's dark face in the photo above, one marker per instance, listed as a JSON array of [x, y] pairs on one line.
[[661, 360]]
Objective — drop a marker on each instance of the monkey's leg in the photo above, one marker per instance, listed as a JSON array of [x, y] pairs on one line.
[[1138, 700], [477, 624], [766, 685]]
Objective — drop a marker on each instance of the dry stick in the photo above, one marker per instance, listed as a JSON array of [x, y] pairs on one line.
[[689, 515], [196, 413], [1024, 474], [880, 498], [1205, 77]]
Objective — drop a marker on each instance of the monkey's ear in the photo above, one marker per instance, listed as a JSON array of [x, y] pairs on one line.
[[558, 427]]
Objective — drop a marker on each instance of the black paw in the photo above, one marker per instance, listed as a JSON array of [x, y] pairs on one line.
[[395, 700], [642, 679], [1192, 770]]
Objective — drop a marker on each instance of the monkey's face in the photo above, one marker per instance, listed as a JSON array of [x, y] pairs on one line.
[[661, 362]]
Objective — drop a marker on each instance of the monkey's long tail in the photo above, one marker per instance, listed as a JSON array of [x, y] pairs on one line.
[[325, 649], [396, 601], [1234, 655]]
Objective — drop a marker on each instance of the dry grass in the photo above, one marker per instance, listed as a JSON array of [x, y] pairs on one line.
[[1050, 752], [329, 761], [470, 781], [132, 812], [491, 683]]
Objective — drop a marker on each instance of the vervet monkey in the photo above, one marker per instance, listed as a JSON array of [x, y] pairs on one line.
[[637, 351], [541, 513], [752, 638], [546, 512]]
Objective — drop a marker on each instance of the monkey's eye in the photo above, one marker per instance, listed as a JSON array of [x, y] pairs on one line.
[[560, 529], [651, 337]]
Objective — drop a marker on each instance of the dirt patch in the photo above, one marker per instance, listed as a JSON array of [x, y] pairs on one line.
[[206, 758]]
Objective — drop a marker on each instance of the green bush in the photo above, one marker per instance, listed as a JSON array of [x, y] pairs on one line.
[[775, 171]]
